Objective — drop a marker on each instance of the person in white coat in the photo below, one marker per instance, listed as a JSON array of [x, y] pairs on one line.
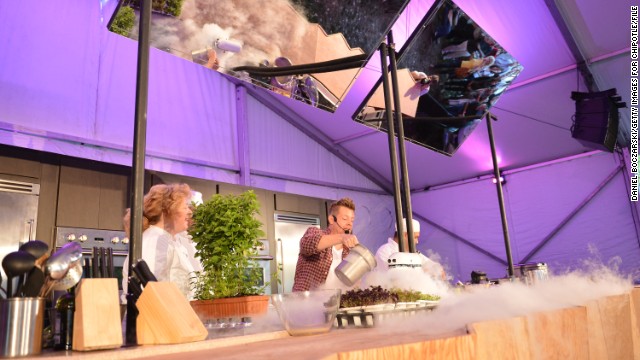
[[166, 248], [391, 247]]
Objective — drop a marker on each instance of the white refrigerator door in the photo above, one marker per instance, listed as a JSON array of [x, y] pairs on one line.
[[288, 237]]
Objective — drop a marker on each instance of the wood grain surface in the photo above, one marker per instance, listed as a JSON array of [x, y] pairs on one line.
[[97, 316], [606, 328]]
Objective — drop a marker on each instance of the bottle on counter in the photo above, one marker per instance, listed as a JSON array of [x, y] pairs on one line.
[[66, 306]]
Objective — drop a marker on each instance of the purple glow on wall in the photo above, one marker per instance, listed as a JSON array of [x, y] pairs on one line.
[[477, 148]]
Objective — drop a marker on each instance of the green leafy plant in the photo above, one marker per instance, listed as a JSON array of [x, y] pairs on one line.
[[370, 296], [167, 7], [226, 234], [377, 295], [413, 295], [124, 21]]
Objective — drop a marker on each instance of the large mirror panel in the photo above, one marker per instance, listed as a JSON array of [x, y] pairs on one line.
[[450, 72], [268, 42]]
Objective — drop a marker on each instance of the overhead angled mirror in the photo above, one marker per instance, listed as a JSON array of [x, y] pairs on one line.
[[310, 50], [450, 72]]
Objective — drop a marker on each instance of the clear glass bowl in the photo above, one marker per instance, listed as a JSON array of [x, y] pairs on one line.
[[307, 312]]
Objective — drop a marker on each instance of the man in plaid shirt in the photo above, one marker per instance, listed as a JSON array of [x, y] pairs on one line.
[[322, 250]]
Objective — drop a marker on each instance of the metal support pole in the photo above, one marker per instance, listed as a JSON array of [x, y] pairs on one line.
[[403, 158], [392, 141], [137, 170], [503, 212]]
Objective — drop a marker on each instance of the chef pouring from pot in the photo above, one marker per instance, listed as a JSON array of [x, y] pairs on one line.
[[322, 250]]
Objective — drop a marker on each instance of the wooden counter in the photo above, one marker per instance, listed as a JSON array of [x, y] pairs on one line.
[[607, 328]]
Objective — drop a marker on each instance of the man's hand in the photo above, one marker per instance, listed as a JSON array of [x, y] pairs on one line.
[[213, 62], [349, 240]]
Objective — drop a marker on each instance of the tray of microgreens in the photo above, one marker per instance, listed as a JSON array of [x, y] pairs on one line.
[[366, 307]]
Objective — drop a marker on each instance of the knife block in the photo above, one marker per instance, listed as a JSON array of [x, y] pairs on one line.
[[96, 321], [165, 316]]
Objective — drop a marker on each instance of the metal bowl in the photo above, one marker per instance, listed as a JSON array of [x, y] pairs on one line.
[[307, 312]]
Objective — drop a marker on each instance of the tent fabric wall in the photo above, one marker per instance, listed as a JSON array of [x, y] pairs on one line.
[[49, 60], [279, 149], [82, 103], [537, 200]]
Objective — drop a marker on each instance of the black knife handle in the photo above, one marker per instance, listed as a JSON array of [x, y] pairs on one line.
[[103, 263], [94, 263], [110, 272], [143, 272], [135, 287], [86, 268]]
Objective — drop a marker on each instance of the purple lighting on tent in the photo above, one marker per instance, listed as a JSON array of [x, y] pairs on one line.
[[477, 149]]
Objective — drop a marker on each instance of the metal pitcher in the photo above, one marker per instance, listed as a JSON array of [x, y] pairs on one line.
[[359, 261]]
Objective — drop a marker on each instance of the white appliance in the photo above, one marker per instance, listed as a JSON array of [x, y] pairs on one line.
[[289, 229]]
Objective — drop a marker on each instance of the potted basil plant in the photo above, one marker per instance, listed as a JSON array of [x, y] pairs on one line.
[[226, 233]]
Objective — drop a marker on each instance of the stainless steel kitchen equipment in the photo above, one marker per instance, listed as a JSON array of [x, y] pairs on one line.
[[114, 241], [289, 229], [58, 269], [531, 273], [359, 262], [21, 321], [18, 216], [263, 260]]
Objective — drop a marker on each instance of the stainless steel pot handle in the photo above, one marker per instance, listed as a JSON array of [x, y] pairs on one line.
[[280, 264], [30, 231]]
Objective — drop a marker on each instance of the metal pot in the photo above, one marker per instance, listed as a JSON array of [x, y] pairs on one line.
[[359, 261], [531, 273]]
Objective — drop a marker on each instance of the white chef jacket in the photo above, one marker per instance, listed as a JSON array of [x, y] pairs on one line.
[[332, 281], [167, 257], [391, 247], [186, 240]]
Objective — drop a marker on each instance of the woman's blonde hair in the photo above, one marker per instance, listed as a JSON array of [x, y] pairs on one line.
[[161, 200]]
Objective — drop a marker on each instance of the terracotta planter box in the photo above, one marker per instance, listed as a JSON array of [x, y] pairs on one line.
[[231, 307]]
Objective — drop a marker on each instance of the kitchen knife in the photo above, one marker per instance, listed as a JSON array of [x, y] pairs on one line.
[[86, 268], [103, 263], [135, 287], [95, 262], [110, 272], [143, 272]]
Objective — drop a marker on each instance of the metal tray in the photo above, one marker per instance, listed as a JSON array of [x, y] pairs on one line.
[[370, 316]]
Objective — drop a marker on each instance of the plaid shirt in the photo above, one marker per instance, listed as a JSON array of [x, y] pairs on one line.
[[313, 264]]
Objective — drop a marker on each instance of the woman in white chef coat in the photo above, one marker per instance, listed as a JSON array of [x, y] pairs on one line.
[[166, 216]]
